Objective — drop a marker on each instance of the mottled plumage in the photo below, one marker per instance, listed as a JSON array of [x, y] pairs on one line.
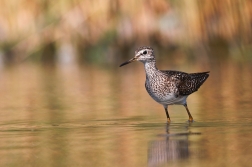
[[167, 87]]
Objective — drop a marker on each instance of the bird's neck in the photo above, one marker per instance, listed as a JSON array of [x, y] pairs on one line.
[[150, 68]]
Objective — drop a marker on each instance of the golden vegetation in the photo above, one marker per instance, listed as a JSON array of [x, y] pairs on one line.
[[41, 28]]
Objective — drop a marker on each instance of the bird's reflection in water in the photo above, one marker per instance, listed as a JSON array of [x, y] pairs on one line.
[[173, 147]]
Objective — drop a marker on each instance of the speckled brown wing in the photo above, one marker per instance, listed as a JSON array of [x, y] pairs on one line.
[[176, 75], [192, 82]]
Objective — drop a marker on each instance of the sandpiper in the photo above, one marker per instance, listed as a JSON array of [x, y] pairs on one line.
[[167, 87]]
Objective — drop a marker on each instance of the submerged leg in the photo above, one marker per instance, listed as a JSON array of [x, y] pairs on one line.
[[189, 114], [167, 114]]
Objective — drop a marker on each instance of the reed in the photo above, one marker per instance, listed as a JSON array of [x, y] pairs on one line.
[[109, 27]]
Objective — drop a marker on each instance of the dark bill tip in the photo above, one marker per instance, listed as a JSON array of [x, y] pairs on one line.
[[127, 62], [123, 64]]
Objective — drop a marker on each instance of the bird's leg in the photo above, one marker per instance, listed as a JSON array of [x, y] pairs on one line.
[[167, 114], [189, 114]]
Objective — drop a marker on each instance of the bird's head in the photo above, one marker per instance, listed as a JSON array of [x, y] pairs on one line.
[[143, 54]]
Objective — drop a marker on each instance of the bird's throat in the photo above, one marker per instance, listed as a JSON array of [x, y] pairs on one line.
[[150, 68]]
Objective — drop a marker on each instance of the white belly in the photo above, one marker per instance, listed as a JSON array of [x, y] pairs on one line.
[[170, 99]]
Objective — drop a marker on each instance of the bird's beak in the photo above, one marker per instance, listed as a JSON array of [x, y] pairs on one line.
[[127, 62]]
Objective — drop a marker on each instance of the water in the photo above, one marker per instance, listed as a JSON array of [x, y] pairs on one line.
[[92, 116]]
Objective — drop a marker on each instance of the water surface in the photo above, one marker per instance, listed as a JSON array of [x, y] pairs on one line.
[[91, 116]]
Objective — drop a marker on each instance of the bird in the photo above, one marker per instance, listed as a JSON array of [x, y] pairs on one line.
[[167, 87]]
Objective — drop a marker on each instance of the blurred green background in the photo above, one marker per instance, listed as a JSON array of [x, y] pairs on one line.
[[106, 32]]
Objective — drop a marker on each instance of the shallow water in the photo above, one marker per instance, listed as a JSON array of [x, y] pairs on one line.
[[91, 116]]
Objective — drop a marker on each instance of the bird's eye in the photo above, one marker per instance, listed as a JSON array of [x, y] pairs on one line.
[[145, 52]]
